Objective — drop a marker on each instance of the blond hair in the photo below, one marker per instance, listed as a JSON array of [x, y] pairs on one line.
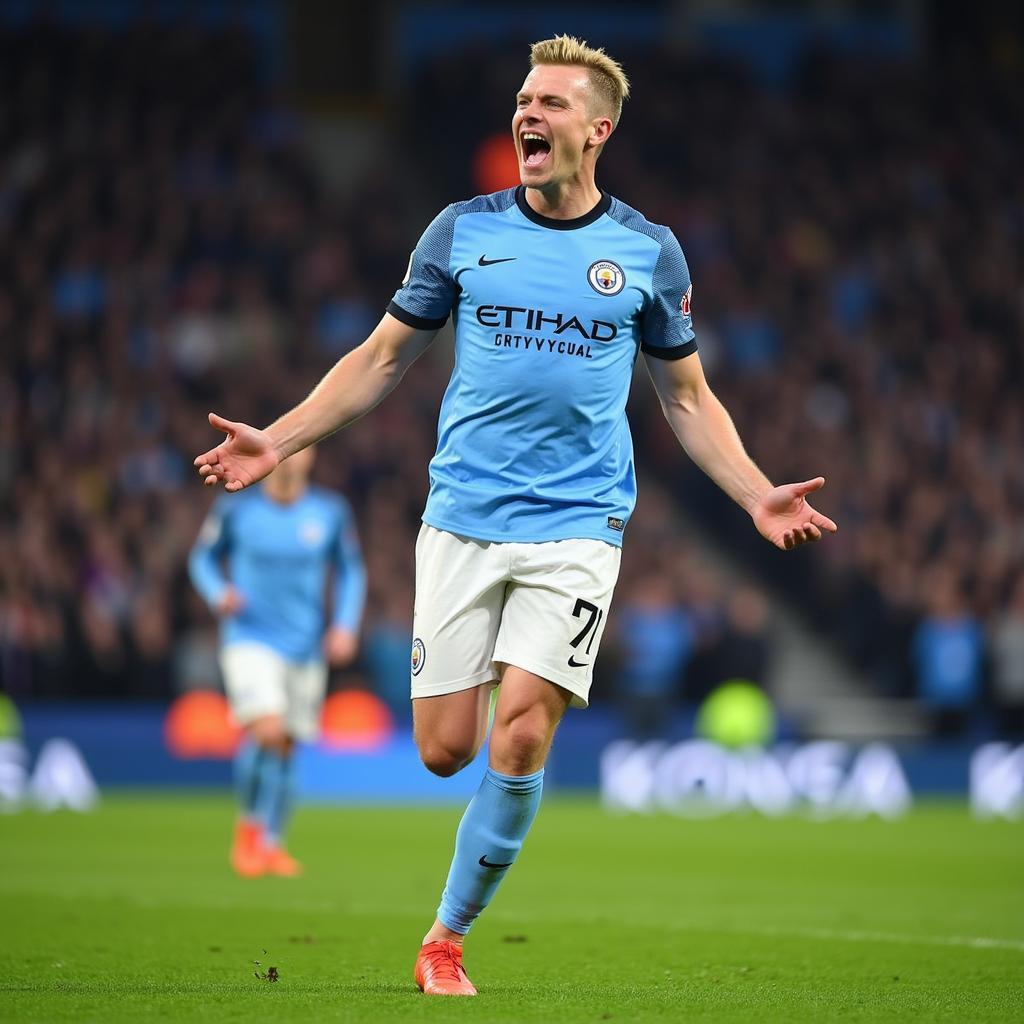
[[606, 74]]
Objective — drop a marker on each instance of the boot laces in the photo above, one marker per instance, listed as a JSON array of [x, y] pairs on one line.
[[445, 962]]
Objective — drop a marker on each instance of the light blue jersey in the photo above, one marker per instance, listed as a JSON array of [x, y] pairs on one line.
[[533, 442], [278, 557]]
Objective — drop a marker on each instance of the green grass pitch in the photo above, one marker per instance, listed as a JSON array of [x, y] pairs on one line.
[[130, 914]]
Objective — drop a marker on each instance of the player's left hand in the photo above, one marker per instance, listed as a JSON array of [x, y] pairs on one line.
[[340, 646], [784, 517]]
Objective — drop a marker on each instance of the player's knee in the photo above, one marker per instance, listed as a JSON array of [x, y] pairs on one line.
[[518, 743], [444, 759], [270, 732]]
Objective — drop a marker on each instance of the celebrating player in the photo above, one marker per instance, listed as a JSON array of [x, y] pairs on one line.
[[279, 543], [556, 286]]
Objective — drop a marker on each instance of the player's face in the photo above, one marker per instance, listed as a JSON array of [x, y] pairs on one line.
[[553, 125]]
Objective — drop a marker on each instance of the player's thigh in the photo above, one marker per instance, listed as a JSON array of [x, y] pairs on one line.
[[460, 591], [254, 681], [306, 684], [453, 724], [556, 610], [526, 715]]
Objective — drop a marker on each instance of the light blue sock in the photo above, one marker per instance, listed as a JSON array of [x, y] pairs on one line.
[[248, 761], [275, 799], [490, 836]]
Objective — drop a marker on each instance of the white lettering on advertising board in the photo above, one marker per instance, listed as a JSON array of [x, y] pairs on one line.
[[61, 777], [697, 778]]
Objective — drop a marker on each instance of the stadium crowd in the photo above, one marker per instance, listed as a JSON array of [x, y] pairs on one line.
[[167, 246]]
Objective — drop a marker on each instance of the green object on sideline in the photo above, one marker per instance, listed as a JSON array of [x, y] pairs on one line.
[[737, 714], [10, 720]]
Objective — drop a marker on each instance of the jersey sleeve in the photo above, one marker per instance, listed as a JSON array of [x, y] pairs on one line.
[[205, 558], [666, 324], [428, 292], [349, 595]]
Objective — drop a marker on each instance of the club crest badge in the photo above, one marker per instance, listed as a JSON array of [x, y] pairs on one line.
[[684, 305], [606, 277], [312, 533], [419, 656]]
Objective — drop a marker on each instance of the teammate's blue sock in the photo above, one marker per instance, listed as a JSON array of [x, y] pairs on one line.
[[248, 761], [489, 839], [279, 800]]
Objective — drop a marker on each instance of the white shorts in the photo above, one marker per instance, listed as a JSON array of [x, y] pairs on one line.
[[259, 682], [481, 605]]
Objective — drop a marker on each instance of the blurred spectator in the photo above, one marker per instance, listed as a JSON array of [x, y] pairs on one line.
[[742, 652], [386, 651], [655, 639], [1008, 665], [948, 655]]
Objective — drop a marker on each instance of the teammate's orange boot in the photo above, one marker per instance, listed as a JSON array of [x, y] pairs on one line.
[[278, 861], [439, 970], [248, 857]]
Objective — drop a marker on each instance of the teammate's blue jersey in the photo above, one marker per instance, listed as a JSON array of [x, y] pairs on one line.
[[533, 442], [278, 557]]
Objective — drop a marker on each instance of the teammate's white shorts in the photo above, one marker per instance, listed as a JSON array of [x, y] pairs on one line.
[[259, 681], [481, 605]]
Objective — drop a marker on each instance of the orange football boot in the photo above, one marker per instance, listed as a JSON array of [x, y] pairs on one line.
[[248, 857], [279, 861], [439, 970]]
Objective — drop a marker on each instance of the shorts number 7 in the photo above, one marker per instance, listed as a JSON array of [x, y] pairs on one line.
[[595, 616]]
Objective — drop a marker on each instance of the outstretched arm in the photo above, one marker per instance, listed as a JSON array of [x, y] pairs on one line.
[[353, 386], [205, 563], [341, 640], [704, 428]]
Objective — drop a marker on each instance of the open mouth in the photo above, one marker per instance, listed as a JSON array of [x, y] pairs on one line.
[[535, 149]]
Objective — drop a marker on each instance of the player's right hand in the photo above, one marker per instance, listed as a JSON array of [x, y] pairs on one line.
[[340, 646], [229, 603], [247, 456]]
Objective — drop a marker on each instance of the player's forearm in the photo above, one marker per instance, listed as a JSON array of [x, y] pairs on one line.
[[352, 387], [206, 575], [350, 597], [706, 431]]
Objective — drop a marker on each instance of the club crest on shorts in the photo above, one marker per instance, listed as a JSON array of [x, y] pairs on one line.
[[606, 277], [419, 656]]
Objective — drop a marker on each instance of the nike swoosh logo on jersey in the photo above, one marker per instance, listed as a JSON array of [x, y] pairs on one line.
[[485, 262], [573, 663], [484, 862]]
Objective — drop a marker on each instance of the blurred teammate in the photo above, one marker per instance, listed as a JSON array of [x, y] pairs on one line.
[[557, 287], [262, 563]]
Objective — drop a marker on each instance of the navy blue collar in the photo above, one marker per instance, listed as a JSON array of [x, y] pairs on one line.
[[530, 213]]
